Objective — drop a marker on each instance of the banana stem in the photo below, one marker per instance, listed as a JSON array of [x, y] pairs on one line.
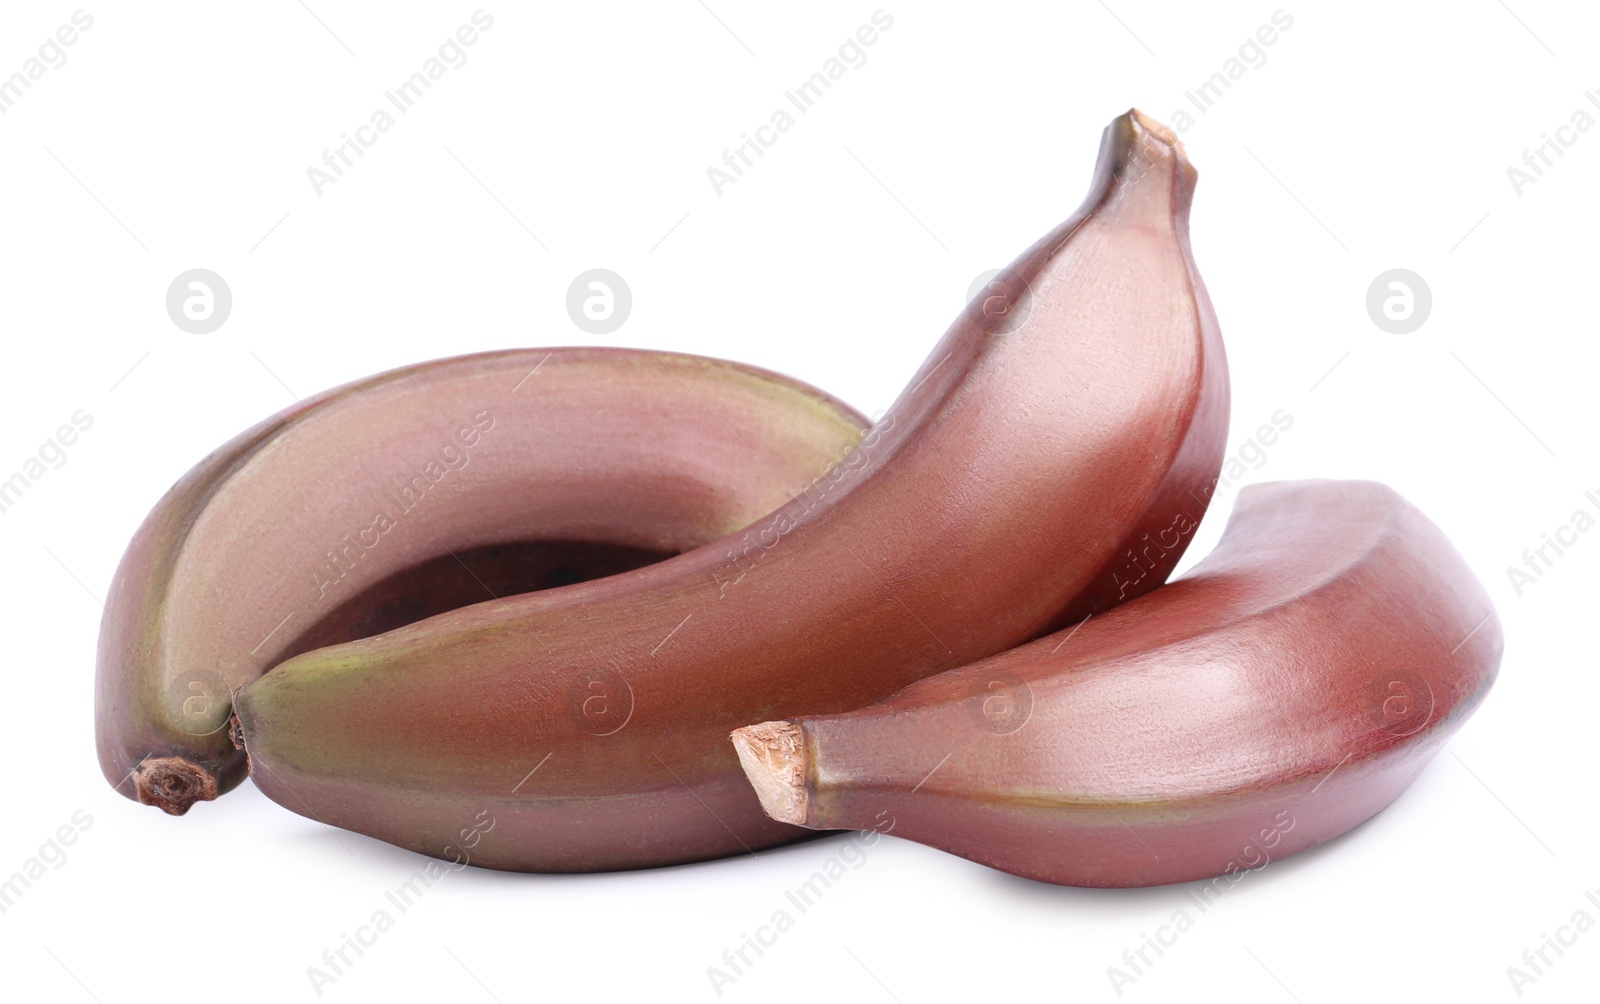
[[774, 759], [173, 784]]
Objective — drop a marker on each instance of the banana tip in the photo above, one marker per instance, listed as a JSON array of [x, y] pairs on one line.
[[173, 784], [1160, 130], [773, 758], [1134, 143]]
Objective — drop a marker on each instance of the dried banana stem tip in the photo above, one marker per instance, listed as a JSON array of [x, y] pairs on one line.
[[774, 761], [1160, 130], [173, 784]]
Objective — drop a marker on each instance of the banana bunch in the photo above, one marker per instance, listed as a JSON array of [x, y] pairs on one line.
[[544, 587]]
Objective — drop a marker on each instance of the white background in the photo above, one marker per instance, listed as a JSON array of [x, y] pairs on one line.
[[1374, 136]]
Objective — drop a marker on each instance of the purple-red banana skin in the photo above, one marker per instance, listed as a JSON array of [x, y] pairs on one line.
[[1284, 691], [502, 471], [1050, 459]]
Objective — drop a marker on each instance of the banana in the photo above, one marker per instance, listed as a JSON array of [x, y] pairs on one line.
[[415, 491], [1051, 458], [1286, 690]]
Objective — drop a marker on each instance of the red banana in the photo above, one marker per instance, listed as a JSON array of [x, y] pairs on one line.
[[1286, 690]]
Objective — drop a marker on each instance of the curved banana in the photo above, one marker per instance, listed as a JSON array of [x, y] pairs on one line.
[[1284, 691], [1051, 457], [416, 491]]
